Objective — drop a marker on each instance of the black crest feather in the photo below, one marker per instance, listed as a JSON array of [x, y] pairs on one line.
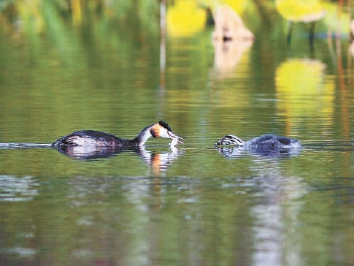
[[165, 125]]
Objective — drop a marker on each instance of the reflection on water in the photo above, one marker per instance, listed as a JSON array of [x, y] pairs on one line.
[[159, 161], [303, 92], [278, 211], [230, 39], [18, 189], [185, 18], [228, 54], [91, 152], [238, 152]]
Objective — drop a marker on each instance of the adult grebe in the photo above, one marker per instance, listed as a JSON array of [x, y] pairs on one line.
[[266, 142], [101, 139]]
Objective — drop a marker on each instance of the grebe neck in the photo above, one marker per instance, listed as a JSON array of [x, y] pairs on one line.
[[143, 136]]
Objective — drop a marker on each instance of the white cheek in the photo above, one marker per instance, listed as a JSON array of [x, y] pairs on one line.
[[164, 134]]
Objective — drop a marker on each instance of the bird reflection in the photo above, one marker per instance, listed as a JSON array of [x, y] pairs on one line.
[[159, 161], [238, 152], [93, 152]]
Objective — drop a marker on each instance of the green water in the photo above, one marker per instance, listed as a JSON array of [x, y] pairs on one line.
[[193, 205]]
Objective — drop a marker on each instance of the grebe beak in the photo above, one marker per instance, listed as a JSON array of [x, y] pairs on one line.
[[175, 137]]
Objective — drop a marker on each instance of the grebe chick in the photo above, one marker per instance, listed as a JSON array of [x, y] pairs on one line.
[[268, 142], [101, 139]]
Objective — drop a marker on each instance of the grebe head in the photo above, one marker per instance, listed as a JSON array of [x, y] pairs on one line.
[[230, 140], [162, 130], [158, 130]]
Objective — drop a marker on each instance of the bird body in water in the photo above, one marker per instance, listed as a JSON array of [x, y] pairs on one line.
[[268, 142], [102, 139]]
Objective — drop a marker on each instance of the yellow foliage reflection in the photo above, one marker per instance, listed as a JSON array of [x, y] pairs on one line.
[[302, 90], [76, 7], [300, 10], [185, 19], [31, 13], [308, 11]]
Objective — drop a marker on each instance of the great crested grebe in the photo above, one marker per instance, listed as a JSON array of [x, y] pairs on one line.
[[268, 142], [101, 139]]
